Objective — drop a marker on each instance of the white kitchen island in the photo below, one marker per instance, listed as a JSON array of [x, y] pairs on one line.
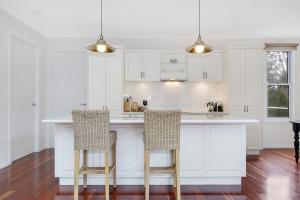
[[212, 151]]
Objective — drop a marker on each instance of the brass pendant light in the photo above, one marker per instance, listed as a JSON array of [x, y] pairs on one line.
[[199, 46], [101, 46]]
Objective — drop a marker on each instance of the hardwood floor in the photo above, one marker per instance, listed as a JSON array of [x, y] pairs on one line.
[[272, 176]]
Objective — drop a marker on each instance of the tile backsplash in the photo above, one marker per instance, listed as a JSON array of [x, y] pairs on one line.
[[189, 96]]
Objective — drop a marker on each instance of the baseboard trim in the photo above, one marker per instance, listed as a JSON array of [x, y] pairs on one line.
[[278, 147], [158, 181], [5, 165], [253, 152]]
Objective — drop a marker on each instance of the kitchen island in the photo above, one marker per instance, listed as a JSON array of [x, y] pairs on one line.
[[212, 151]]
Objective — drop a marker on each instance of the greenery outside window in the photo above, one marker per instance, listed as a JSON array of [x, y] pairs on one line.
[[278, 64]]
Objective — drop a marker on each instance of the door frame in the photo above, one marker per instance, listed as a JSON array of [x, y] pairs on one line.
[[36, 88]]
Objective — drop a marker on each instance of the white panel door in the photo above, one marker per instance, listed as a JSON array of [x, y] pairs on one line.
[[237, 71], [67, 81], [96, 82], [114, 81], [22, 66], [196, 67], [222, 160], [151, 66], [213, 66], [254, 140], [133, 65], [254, 78]]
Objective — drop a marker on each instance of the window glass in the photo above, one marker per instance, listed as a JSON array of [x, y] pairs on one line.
[[277, 67]]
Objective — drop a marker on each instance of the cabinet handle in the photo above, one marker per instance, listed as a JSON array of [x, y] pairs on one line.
[[141, 74], [203, 75], [247, 108], [244, 108], [206, 75]]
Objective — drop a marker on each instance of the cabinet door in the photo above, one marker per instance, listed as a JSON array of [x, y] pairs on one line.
[[254, 130], [213, 66], [114, 81], [196, 67], [96, 82], [237, 71], [133, 66], [151, 66], [254, 78]]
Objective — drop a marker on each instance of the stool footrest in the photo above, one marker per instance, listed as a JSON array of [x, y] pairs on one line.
[[95, 170], [162, 170]]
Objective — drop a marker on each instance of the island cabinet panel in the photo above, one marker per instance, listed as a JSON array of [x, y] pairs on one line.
[[220, 158], [210, 154]]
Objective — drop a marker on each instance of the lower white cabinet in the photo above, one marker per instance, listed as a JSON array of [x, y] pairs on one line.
[[209, 154], [105, 81]]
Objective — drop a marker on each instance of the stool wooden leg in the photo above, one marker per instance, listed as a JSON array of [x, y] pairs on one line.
[[178, 192], [173, 156], [114, 152], [147, 174], [85, 155], [106, 163], [76, 173]]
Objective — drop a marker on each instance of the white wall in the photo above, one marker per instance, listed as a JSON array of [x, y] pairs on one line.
[[10, 26]]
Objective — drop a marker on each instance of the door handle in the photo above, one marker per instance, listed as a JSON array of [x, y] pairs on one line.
[[33, 104]]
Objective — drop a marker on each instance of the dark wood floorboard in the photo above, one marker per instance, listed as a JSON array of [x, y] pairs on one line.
[[273, 175]]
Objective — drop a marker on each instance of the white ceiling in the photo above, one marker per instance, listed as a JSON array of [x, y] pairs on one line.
[[159, 18]]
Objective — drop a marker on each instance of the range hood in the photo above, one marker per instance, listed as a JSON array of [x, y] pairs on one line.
[[173, 67]]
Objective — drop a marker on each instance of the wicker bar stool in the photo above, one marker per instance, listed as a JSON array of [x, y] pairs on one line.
[[92, 132], [162, 132]]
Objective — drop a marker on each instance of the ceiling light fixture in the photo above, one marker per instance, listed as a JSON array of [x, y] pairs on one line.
[[199, 46], [101, 46]]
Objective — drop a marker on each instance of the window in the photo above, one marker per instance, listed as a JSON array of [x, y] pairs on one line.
[[278, 66]]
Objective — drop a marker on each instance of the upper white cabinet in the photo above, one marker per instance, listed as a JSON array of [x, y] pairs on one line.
[[205, 67], [142, 66], [151, 66], [245, 86], [105, 81], [173, 66]]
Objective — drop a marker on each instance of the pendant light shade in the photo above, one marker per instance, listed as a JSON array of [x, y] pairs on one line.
[[199, 46], [101, 46]]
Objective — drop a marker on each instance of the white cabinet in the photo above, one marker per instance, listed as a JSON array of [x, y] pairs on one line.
[[133, 66], [205, 67], [151, 66], [142, 66], [173, 66], [105, 81], [245, 80]]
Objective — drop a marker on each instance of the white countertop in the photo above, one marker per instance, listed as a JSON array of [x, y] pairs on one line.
[[185, 119]]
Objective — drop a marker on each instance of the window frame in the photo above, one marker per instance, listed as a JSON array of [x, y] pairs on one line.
[[291, 64]]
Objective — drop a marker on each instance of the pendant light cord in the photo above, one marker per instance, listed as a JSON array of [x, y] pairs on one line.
[[101, 21], [198, 21]]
